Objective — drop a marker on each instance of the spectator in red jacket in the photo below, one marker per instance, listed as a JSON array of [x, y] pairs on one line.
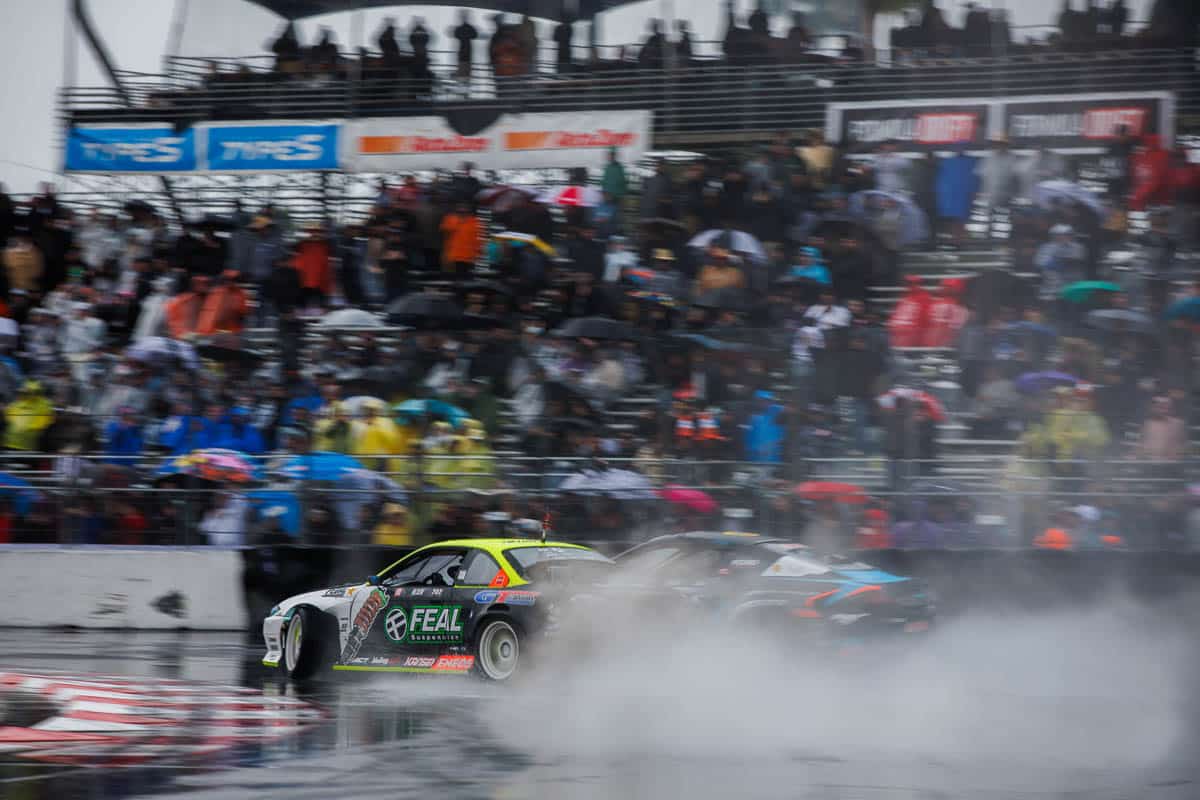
[[1151, 169], [947, 315], [909, 323], [313, 263]]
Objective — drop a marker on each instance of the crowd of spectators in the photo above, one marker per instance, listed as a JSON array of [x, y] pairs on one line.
[[747, 290]]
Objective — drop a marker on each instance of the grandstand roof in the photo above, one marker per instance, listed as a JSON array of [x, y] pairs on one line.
[[547, 9]]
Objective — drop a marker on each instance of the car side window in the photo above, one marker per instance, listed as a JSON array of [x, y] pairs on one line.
[[407, 573], [481, 570], [692, 567], [437, 569]]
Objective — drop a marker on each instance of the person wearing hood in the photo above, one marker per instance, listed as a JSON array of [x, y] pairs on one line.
[[312, 261], [152, 320], [909, 323], [1061, 260], [238, 432], [124, 439], [1151, 172], [765, 433], [947, 314], [373, 435], [226, 307], [956, 186], [27, 418]]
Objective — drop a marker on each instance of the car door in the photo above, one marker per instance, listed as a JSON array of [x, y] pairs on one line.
[[421, 618], [475, 588]]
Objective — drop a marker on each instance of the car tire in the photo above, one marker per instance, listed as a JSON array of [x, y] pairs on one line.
[[304, 649], [497, 650]]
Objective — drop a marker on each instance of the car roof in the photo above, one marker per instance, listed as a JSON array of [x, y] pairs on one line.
[[718, 538], [490, 544]]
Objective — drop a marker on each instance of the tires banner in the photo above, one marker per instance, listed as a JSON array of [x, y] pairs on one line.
[[1078, 122], [153, 148], [512, 141], [270, 147]]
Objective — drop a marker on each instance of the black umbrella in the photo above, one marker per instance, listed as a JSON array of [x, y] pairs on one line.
[[229, 354], [1121, 320], [424, 309], [665, 222], [728, 299], [558, 390], [479, 322], [995, 288], [600, 328], [486, 287]]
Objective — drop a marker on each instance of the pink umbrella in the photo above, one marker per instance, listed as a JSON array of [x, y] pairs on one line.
[[691, 499], [574, 196]]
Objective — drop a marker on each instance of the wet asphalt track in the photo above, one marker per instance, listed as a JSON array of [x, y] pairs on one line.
[[971, 731]]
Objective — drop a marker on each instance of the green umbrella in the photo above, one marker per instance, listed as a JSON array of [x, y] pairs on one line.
[[1081, 291]]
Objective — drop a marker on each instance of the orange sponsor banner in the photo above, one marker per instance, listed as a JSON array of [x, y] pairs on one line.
[[400, 145], [553, 140]]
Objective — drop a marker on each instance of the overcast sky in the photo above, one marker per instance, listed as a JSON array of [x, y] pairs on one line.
[[35, 60]]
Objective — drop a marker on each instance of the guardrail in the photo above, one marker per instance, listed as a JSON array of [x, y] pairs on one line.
[[691, 103], [1133, 504]]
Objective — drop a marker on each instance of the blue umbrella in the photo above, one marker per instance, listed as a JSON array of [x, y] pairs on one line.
[[1034, 382], [277, 504], [410, 409], [1185, 309], [20, 491], [914, 224], [318, 467]]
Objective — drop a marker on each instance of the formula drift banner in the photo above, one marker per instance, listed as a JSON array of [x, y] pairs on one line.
[[270, 147], [514, 141], [1065, 121], [130, 148]]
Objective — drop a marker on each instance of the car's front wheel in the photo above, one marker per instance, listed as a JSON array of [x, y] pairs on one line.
[[497, 650], [303, 647]]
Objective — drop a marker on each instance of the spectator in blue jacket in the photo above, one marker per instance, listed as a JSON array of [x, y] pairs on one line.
[[123, 438], [185, 431], [237, 432], [764, 434]]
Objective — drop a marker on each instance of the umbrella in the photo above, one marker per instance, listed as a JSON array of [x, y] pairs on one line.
[[623, 484], [572, 196], [995, 288], [349, 318], [1047, 193], [214, 464], [727, 299], [357, 406], [228, 354], [1034, 382], [486, 287], [829, 490], [1082, 291], [504, 198], [737, 241], [914, 224], [561, 390], [526, 238], [480, 322], [161, 351], [1184, 309], [424, 309], [433, 408], [19, 491], [1121, 320], [600, 328], [318, 467], [708, 342], [691, 499], [277, 504], [915, 396]]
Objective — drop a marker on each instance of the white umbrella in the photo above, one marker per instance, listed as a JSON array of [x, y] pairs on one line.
[[623, 484], [349, 318], [158, 350], [738, 242], [1047, 192], [914, 223], [355, 406]]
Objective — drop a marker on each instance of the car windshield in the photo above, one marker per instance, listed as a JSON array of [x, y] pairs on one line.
[[523, 559]]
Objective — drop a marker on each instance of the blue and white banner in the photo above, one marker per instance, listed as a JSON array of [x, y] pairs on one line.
[[130, 148], [271, 147]]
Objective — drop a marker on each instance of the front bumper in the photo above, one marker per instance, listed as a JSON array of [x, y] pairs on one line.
[[272, 629]]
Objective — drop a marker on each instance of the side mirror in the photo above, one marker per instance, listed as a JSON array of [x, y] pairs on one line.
[[373, 580]]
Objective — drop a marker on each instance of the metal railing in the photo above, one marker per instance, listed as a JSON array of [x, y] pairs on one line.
[[701, 100], [1104, 503]]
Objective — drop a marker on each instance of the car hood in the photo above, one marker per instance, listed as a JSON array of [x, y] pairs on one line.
[[328, 600]]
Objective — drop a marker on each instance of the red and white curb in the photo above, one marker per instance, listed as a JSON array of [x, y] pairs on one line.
[[116, 721]]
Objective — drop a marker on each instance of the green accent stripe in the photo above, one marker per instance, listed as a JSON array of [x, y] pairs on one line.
[[267, 663]]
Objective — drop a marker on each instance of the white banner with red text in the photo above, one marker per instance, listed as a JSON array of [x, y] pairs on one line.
[[513, 141]]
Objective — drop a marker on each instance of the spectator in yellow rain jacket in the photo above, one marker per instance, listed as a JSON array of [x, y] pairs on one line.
[[474, 464], [439, 444], [1076, 431], [373, 435], [27, 417], [394, 528], [332, 432]]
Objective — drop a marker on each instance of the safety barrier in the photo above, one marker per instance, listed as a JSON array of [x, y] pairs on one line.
[[689, 105]]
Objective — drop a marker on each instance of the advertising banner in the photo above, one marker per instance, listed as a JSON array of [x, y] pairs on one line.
[[271, 147], [934, 125], [1071, 121], [516, 141], [130, 148], [1087, 122]]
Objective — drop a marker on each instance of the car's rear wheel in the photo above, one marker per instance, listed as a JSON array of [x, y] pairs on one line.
[[303, 647], [497, 650]]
